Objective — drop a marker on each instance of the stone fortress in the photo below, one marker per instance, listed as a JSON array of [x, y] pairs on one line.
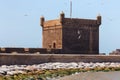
[[66, 36], [71, 35]]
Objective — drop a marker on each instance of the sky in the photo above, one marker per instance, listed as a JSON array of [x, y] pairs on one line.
[[20, 20]]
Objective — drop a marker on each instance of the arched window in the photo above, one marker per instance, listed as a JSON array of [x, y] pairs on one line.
[[49, 46]]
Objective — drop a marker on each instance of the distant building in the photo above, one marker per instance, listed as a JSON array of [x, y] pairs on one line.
[[71, 35], [116, 52]]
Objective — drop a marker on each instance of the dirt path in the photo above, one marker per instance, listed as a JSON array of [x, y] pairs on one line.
[[94, 76]]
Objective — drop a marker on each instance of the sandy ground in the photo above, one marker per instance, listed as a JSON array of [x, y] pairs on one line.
[[93, 76]]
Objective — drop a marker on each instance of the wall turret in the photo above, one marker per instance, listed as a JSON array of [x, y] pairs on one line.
[[62, 16], [42, 19], [99, 19]]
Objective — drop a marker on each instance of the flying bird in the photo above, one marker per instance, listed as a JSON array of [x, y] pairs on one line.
[[26, 15]]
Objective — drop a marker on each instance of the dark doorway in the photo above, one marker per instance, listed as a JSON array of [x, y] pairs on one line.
[[54, 45]]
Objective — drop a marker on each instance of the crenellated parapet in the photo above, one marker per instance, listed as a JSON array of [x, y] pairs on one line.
[[69, 21]]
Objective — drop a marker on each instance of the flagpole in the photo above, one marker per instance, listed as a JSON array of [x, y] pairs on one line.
[[70, 8]]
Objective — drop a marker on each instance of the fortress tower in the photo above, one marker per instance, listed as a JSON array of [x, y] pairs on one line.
[[71, 35]]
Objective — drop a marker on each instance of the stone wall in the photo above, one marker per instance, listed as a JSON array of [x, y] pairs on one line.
[[20, 59], [80, 36], [52, 34]]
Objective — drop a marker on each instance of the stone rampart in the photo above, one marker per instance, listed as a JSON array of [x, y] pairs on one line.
[[21, 59]]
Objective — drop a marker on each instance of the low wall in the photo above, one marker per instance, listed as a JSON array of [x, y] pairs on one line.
[[30, 50], [21, 59]]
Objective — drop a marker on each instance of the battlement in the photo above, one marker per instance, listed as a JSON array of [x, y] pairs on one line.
[[51, 23], [76, 21]]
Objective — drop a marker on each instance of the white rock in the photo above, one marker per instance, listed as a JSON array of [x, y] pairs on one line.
[[10, 73]]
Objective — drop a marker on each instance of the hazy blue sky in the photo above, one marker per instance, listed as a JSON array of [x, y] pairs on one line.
[[20, 19]]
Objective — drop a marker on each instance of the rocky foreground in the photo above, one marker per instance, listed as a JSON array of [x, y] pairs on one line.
[[23, 69]]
